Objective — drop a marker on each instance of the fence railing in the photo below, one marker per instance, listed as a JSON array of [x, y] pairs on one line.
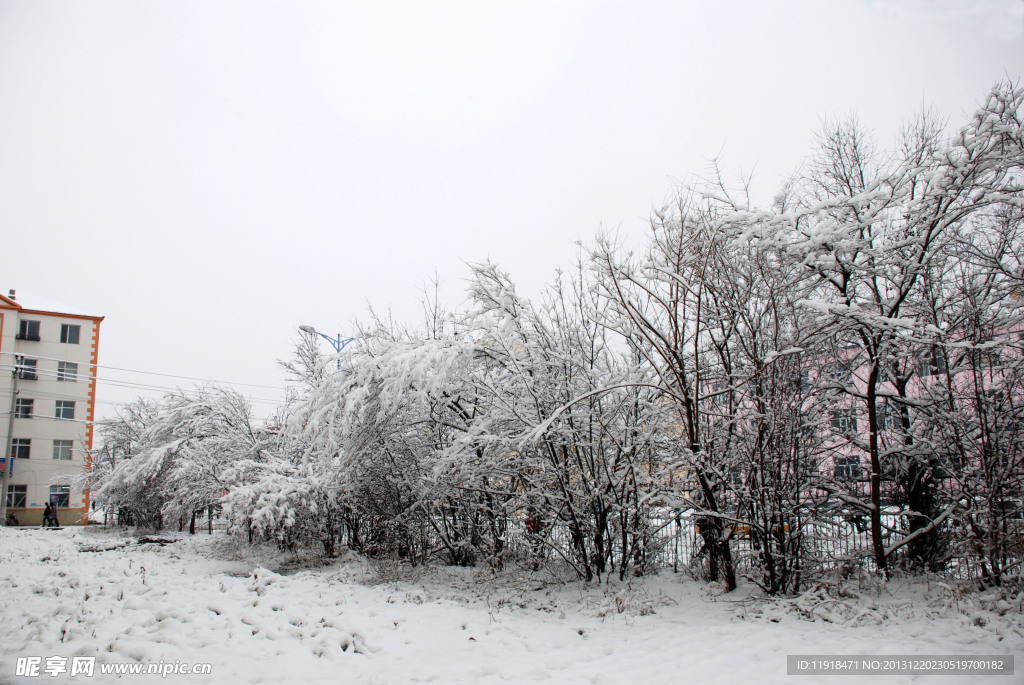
[[673, 541], [828, 543]]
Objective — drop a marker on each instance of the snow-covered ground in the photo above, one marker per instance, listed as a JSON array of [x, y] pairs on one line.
[[259, 617]]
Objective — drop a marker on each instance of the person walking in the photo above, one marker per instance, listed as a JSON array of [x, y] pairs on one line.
[[47, 513]]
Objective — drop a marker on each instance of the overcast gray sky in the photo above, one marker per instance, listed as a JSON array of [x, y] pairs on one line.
[[211, 175]]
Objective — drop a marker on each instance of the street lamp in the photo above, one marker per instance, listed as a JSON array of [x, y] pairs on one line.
[[337, 343]]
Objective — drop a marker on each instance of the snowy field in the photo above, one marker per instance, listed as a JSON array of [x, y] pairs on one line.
[[259, 617]]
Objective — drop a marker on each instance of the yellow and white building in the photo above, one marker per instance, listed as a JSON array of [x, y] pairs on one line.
[[48, 356]]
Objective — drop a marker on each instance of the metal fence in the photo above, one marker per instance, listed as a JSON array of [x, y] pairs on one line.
[[828, 543], [673, 541]]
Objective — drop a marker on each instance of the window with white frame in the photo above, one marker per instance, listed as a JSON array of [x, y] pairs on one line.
[[69, 333], [62, 449], [844, 421], [67, 371], [21, 448], [28, 369], [847, 467], [65, 409], [24, 408], [60, 495], [17, 496]]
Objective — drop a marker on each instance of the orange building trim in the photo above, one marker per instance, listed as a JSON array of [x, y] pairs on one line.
[[86, 494], [42, 312]]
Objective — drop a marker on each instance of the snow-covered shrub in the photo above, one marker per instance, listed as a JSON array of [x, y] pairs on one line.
[[169, 460], [287, 504]]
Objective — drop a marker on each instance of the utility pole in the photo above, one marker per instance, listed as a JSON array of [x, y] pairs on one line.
[[8, 459]]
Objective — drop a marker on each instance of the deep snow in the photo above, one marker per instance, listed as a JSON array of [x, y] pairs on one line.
[[261, 617]]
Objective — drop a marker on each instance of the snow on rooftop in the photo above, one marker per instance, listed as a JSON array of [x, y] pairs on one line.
[[43, 304]]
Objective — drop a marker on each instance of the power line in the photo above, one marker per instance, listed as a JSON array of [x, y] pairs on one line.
[[149, 373], [123, 383], [118, 383], [32, 393], [45, 417]]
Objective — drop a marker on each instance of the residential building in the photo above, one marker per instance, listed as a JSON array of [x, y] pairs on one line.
[[48, 356]]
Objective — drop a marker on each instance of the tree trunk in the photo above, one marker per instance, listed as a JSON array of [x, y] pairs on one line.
[[877, 543]]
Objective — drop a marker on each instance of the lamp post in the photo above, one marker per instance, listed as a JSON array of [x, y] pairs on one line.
[[337, 343]]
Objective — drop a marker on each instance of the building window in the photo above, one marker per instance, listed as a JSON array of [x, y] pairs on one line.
[[65, 409], [17, 495], [993, 397], [840, 372], [69, 333], [889, 418], [844, 421], [23, 409], [67, 371], [20, 448], [62, 449], [1011, 509], [933, 364], [60, 495], [28, 369], [847, 468], [29, 330]]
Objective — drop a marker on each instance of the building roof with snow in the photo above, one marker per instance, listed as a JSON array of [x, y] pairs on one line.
[[30, 302]]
